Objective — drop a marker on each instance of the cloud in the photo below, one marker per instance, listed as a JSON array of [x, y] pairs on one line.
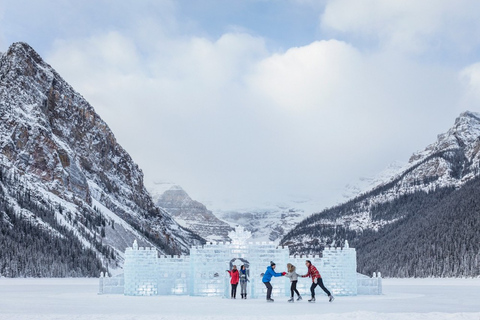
[[228, 118], [470, 76], [407, 25], [309, 76]]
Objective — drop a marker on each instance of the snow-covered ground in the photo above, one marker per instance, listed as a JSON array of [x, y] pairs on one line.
[[78, 299]]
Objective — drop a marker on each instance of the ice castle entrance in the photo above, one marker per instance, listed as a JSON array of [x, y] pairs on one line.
[[239, 262]]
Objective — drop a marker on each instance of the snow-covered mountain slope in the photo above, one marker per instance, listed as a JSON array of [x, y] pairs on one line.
[[367, 183], [269, 222], [63, 153], [189, 213], [451, 161], [420, 194]]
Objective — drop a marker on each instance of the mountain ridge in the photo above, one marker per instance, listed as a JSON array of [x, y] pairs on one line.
[[441, 170], [53, 139]]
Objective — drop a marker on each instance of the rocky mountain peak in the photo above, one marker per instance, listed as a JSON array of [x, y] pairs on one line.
[[464, 136], [190, 213], [65, 154]]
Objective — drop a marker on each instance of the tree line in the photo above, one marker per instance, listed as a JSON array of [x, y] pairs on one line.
[[434, 233]]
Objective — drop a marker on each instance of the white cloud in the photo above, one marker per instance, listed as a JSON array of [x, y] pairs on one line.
[[407, 25], [470, 76], [228, 119], [309, 76]]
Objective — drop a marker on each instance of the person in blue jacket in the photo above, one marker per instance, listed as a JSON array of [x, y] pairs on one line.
[[267, 276]]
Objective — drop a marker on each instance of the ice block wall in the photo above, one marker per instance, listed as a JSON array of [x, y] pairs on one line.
[[140, 271], [173, 275], [369, 286], [204, 272], [339, 270], [260, 255]]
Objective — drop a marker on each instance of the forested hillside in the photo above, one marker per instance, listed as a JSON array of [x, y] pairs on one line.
[[434, 233], [424, 221], [32, 249]]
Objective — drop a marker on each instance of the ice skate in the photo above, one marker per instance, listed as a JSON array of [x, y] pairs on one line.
[[299, 298], [312, 300], [330, 298], [291, 299]]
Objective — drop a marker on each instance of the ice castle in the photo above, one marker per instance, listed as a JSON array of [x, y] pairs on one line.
[[204, 271]]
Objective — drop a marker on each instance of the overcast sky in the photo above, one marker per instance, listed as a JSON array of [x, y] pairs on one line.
[[253, 101]]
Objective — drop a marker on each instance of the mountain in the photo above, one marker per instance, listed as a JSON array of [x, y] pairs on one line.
[[267, 222], [189, 213], [364, 184], [424, 221], [65, 177]]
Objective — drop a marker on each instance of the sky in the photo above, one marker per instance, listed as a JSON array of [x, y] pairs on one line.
[[255, 102]]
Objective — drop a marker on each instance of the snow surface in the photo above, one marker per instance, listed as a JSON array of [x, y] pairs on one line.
[[423, 299]]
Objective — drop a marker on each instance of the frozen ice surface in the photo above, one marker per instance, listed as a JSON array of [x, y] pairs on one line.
[[204, 272], [402, 299]]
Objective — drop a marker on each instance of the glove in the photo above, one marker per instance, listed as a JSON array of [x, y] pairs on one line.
[[315, 280], [284, 273]]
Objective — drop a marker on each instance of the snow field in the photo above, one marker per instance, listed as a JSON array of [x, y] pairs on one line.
[[424, 299]]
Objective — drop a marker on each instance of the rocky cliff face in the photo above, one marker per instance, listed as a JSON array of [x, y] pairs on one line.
[[193, 214], [51, 137]]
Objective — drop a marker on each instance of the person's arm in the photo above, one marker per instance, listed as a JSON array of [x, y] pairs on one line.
[[306, 275], [276, 274]]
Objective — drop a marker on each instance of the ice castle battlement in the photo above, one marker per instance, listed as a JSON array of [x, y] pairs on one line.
[[203, 272]]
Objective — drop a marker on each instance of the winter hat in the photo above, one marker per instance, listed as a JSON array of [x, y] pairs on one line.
[[272, 263]]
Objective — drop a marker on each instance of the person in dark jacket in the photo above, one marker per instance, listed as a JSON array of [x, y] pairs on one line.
[[292, 274], [267, 277], [234, 277], [316, 281], [243, 281]]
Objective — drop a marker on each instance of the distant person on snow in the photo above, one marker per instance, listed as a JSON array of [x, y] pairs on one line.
[[234, 277], [267, 276], [316, 281], [243, 281], [292, 274]]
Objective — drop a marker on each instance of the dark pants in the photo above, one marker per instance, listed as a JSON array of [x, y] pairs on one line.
[[234, 290], [269, 290], [320, 284], [293, 288]]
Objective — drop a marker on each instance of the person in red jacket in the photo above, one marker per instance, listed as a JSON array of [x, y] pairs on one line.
[[234, 278], [316, 281]]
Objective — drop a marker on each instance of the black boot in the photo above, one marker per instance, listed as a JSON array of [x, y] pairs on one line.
[[245, 296]]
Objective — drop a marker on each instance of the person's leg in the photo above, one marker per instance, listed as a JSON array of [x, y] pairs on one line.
[[292, 288], [312, 289], [320, 284], [231, 293], [235, 290], [294, 285], [269, 290]]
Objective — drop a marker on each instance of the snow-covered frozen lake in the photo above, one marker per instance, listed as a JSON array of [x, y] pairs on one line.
[[78, 299]]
